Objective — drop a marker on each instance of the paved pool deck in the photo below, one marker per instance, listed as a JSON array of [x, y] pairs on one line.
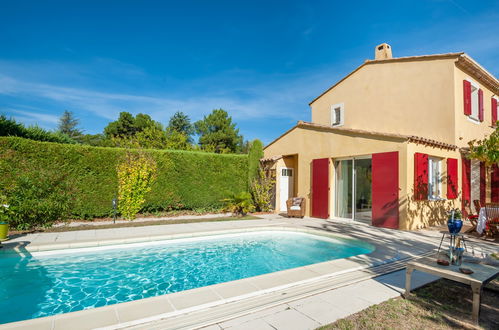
[[300, 298]]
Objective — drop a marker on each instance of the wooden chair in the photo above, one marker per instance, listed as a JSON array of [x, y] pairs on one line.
[[492, 219], [296, 207], [473, 218]]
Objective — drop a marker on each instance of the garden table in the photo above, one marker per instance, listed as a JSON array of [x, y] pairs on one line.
[[482, 274]]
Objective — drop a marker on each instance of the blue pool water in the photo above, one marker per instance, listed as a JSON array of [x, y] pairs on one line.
[[43, 285]]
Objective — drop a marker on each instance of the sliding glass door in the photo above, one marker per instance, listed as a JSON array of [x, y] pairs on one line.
[[353, 189]]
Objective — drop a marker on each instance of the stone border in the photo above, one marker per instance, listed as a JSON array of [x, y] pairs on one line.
[[173, 304]]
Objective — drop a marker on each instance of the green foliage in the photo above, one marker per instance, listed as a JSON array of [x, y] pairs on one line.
[[86, 177], [135, 176], [96, 140], [486, 150], [181, 123], [217, 133], [239, 204], [68, 125], [39, 198], [5, 211], [254, 155], [127, 125], [262, 191], [9, 127]]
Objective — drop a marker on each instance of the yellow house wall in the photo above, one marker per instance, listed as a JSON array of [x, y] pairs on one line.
[[425, 213], [406, 97], [312, 144], [467, 130]]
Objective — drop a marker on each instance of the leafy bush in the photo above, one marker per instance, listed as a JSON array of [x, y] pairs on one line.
[[135, 176], [239, 204], [185, 179], [9, 127], [38, 199], [261, 191]]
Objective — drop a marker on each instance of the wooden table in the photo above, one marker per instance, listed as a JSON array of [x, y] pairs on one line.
[[482, 275]]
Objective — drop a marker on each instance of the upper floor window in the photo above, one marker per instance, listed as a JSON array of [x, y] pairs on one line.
[[337, 114], [434, 178], [473, 101]]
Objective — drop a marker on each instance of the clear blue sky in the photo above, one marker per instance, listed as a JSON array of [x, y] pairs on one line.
[[262, 61]]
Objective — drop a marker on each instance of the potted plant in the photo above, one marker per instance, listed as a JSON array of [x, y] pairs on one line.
[[455, 221], [4, 218]]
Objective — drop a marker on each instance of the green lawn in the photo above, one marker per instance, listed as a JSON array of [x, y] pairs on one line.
[[442, 304]]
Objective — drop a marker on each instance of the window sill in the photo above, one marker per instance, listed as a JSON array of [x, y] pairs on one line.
[[436, 199], [473, 120]]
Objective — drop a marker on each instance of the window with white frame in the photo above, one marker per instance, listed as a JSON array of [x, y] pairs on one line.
[[474, 101], [434, 178], [337, 114]]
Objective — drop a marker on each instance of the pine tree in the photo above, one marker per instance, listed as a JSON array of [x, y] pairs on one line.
[[68, 125]]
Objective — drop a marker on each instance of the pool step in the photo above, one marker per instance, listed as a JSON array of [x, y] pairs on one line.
[[231, 310]]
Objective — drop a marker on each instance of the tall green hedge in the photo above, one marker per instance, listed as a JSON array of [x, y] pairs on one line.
[[82, 180]]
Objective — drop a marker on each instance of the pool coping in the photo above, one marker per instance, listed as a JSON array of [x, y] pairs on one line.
[[173, 304]]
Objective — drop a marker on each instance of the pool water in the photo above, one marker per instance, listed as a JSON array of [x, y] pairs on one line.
[[45, 284]]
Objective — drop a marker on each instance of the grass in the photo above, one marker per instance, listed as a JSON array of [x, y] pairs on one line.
[[137, 224], [443, 304]]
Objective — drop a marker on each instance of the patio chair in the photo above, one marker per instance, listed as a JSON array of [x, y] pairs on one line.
[[473, 218], [296, 207], [492, 219]]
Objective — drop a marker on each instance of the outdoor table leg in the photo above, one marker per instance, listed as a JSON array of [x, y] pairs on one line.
[[408, 274], [477, 291]]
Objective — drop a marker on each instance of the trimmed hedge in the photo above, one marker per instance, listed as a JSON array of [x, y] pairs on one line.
[[87, 176]]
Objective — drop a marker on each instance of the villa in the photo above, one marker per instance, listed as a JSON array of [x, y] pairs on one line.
[[387, 144]]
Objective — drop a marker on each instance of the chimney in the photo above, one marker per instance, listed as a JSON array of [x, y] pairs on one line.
[[383, 52]]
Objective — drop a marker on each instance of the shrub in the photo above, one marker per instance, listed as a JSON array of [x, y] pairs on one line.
[[254, 155], [185, 179], [261, 191], [38, 199], [9, 127], [239, 204], [135, 176]]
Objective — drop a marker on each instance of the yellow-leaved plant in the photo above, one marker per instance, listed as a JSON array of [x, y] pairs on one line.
[[135, 177]]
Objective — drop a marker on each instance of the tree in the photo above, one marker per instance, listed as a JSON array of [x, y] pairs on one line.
[[486, 150], [181, 123], [127, 125], [68, 125], [217, 133], [255, 153]]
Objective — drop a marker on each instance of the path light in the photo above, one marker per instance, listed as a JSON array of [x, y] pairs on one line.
[[115, 206]]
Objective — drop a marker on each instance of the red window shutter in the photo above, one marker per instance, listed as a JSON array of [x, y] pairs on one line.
[[452, 181], [467, 97], [480, 105], [466, 195], [494, 184], [420, 176], [494, 111]]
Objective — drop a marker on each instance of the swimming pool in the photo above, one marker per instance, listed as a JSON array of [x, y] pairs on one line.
[[54, 282]]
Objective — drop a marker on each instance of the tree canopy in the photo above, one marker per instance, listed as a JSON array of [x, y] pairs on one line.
[[217, 133], [181, 123], [127, 125], [486, 150]]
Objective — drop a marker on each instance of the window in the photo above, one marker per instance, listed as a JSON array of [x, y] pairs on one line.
[[337, 114], [434, 178], [474, 102], [287, 172]]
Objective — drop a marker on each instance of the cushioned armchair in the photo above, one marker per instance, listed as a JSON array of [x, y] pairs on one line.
[[296, 207]]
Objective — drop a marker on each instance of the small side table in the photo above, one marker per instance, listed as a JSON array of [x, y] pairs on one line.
[[452, 240]]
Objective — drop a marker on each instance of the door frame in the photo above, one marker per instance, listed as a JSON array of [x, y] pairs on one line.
[[292, 186]]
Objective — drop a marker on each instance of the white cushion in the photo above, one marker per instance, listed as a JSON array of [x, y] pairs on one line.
[[295, 208]]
